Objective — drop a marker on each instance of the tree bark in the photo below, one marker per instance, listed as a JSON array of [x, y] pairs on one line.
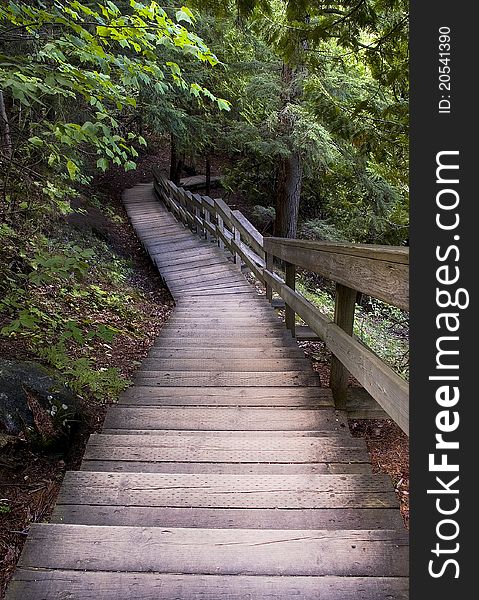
[[288, 195], [208, 176], [173, 158], [290, 172], [176, 162], [7, 139]]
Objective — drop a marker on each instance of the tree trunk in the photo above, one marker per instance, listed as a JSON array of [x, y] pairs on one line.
[[176, 162], [173, 158], [7, 139], [288, 194], [208, 176], [290, 172]]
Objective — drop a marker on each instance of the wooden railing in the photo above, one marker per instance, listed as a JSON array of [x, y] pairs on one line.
[[378, 271]]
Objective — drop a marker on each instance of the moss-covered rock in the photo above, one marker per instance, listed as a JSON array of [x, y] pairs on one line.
[[34, 403]]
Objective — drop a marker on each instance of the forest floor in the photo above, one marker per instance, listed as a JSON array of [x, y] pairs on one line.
[[30, 478]]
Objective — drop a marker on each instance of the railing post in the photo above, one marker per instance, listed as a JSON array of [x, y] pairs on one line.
[[269, 267], [237, 239], [207, 220], [290, 280], [344, 318], [220, 224]]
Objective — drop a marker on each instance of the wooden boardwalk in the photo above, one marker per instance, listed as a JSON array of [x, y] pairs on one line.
[[224, 472]]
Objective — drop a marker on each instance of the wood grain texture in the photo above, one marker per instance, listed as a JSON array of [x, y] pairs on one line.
[[228, 491], [226, 419], [379, 271], [233, 518], [217, 551], [35, 584]]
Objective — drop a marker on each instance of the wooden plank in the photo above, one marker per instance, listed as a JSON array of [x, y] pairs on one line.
[[290, 281], [270, 396], [228, 491], [224, 468], [234, 518], [226, 419], [270, 443], [248, 232], [184, 351], [195, 265], [248, 433], [220, 342], [59, 584], [344, 307], [241, 331], [228, 378], [224, 451], [379, 271], [250, 365], [239, 392], [228, 319], [217, 551]]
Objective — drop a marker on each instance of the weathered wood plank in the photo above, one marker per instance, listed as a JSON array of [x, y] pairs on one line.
[[111, 466], [59, 584], [379, 271], [227, 378], [227, 419], [228, 491], [223, 451], [217, 551], [234, 396], [247, 433], [234, 518], [165, 342], [239, 365]]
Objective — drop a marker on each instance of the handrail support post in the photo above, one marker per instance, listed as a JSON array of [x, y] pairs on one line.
[[290, 280], [220, 225], [269, 267], [237, 242], [343, 317]]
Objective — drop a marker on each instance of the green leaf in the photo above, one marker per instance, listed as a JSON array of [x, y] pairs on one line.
[[223, 104], [103, 164], [182, 15], [36, 141], [129, 165], [72, 168]]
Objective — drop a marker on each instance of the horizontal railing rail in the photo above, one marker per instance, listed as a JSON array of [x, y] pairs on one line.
[[378, 271]]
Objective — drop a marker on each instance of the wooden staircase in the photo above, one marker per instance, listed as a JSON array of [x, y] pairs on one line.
[[224, 472]]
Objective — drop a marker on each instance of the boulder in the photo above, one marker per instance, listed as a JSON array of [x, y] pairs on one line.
[[34, 403]]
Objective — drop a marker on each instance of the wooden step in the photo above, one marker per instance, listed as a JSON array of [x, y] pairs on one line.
[[227, 378], [291, 351], [33, 584], [360, 553], [223, 396], [228, 450], [233, 518], [228, 491], [226, 364], [226, 419], [217, 468]]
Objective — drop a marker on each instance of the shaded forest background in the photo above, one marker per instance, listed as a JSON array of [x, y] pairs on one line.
[[303, 105]]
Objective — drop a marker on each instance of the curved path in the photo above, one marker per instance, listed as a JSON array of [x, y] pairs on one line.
[[224, 472]]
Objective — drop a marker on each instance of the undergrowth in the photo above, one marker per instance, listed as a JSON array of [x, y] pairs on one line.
[[65, 296], [381, 327]]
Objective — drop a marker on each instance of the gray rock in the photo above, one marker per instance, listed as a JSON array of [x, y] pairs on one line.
[[34, 403]]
